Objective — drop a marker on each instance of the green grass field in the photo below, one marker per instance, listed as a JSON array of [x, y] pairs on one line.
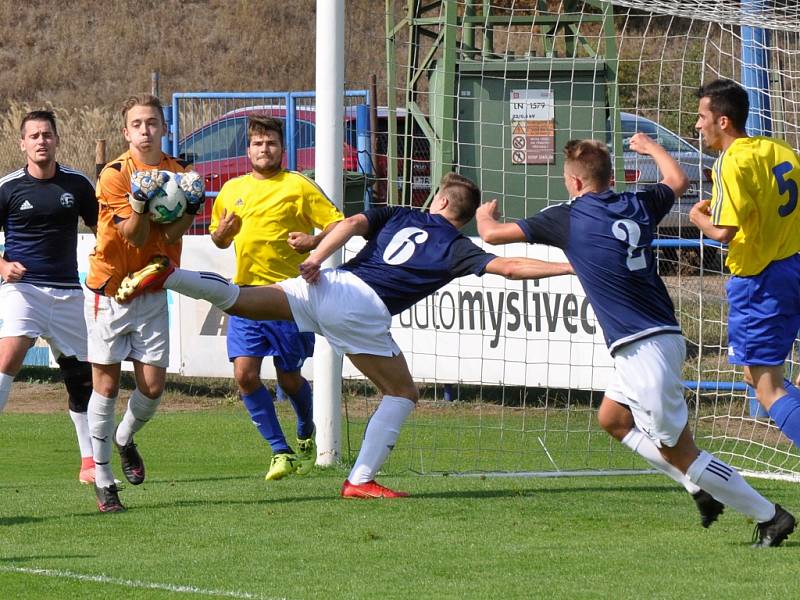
[[205, 523]]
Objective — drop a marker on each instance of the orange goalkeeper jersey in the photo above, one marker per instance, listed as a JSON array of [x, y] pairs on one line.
[[114, 256]]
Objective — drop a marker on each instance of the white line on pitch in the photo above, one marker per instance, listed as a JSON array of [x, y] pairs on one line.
[[168, 587]]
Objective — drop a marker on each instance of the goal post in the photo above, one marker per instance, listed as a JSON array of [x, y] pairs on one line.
[[511, 373], [328, 158]]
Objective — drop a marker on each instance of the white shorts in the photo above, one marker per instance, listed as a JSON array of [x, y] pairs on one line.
[[137, 330], [647, 379], [53, 314], [345, 310]]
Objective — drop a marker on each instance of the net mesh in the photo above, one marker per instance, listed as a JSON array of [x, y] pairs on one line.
[[511, 383]]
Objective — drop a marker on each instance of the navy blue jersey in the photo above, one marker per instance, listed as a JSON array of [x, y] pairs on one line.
[[607, 237], [411, 254], [40, 221]]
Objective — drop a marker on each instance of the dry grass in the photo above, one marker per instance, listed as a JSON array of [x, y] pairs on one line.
[[86, 57], [78, 129]]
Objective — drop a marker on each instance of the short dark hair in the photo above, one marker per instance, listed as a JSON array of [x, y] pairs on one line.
[[38, 115], [260, 124], [591, 159], [727, 99], [464, 196], [141, 100]]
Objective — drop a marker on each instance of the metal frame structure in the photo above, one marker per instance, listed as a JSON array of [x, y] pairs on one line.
[[469, 36]]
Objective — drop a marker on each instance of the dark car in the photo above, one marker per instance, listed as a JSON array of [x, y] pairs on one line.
[[641, 171]]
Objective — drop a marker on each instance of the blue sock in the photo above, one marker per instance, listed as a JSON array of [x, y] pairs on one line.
[[786, 413], [262, 410], [304, 407]]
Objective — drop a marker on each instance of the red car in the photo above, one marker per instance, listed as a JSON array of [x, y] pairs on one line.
[[218, 151]]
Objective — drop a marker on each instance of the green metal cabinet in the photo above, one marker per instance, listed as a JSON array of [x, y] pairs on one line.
[[484, 127]]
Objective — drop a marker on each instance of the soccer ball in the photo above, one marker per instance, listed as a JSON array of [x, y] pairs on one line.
[[169, 200]]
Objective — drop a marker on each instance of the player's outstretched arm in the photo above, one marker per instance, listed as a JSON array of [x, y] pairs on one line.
[[175, 230], [673, 176], [335, 239], [302, 242], [11, 272], [135, 229], [527, 268], [700, 215], [229, 226], [493, 231]]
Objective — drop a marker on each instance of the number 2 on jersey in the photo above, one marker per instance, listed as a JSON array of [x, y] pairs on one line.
[[628, 231], [786, 185]]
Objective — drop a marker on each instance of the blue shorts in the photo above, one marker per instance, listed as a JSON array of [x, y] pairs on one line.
[[279, 339], [764, 314]]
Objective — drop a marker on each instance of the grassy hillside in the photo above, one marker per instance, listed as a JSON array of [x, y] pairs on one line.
[[83, 58], [96, 53]]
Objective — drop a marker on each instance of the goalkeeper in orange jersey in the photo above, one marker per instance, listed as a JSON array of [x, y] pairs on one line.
[[124, 328]]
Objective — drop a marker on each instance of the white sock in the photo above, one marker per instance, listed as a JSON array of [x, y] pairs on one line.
[[5, 389], [646, 448], [726, 485], [380, 437], [203, 285], [140, 410], [101, 427], [81, 422]]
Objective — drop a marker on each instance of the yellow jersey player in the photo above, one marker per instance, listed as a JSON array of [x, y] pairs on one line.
[[754, 209], [269, 216]]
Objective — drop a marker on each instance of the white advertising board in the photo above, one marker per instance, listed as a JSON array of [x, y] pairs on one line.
[[475, 330]]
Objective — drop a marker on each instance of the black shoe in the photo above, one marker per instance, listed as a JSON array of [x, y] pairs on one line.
[[131, 461], [709, 507], [108, 499], [773, 532]]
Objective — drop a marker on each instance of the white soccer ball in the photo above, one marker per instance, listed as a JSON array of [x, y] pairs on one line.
[[169, 202]]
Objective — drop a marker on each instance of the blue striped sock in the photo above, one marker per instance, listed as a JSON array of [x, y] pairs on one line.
[[304, 407], [262, 411]]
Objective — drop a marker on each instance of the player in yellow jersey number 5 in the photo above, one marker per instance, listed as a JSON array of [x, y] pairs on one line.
[[754, 210]]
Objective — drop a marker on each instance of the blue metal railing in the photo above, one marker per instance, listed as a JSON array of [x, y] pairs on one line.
[[686, 243], [289, 100], [719, 386], [286, 102]]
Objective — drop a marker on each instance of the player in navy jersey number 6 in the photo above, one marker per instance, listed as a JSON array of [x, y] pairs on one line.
[[607, 238], [409, 255], [41, 295]]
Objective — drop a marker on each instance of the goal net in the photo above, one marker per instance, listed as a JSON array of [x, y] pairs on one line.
[[511, 373]]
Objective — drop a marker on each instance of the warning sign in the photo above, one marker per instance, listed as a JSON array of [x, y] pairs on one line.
[[532, 127]]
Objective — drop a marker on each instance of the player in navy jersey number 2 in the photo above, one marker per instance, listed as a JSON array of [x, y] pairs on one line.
[[41, 295], [409, 255], [607, 238]]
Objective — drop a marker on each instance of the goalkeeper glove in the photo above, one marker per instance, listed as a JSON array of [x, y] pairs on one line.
[[192, 185], [144, 185]]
